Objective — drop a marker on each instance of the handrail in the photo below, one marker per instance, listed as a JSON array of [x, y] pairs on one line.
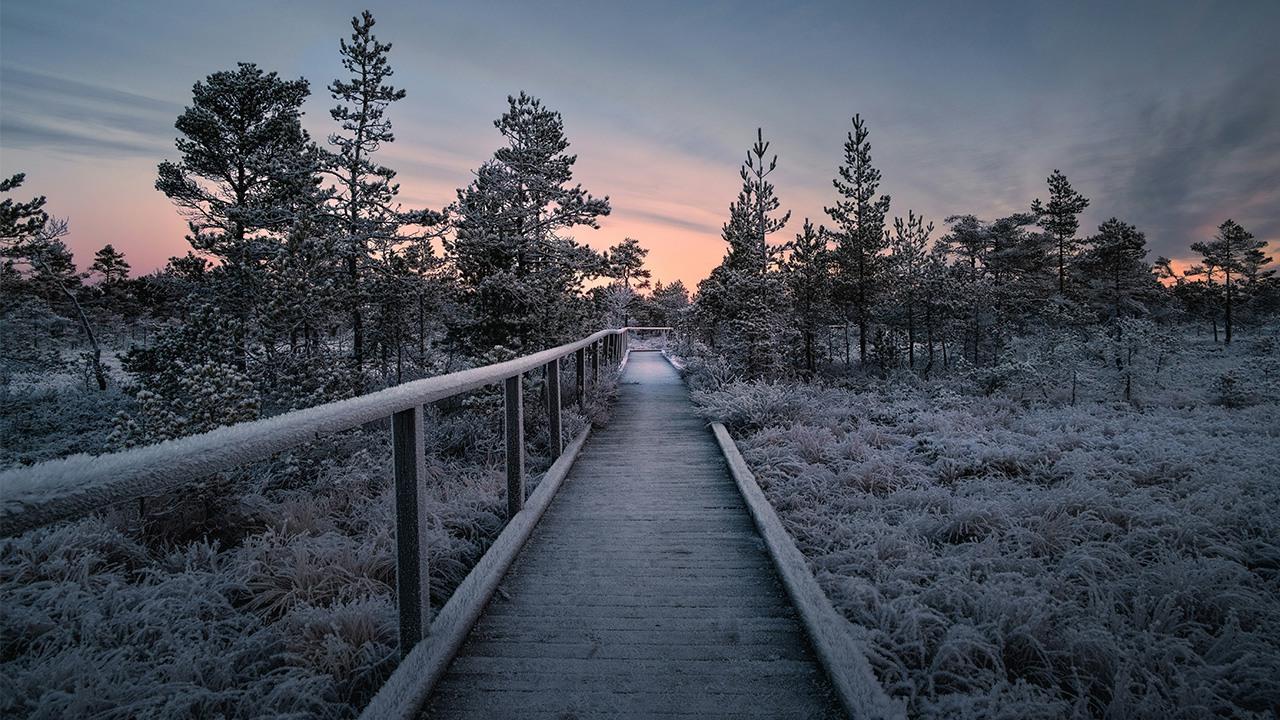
[[46, 492]]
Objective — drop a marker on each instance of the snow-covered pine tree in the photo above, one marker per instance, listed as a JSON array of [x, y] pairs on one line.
[[626, 263], [742, 306], [521, 277], [1020, 269], [668, 303], [1115, 272], [363, 202], [1233, 250], [908, 252], [859, 217], [247, 172], [1060, 217], [969, 242], [808, 271]]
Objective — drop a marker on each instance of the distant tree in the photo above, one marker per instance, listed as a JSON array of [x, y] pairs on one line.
[[970, 243], [859, 231], [1115, 268], [668, 303], [1018, 265], [808, 270], [908, 253], [110, 265], [626, 263], [1233, 250], [1060, 217], [28, 236], [521, 278]]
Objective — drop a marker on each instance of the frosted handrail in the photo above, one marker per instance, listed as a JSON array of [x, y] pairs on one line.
[[80, 484]]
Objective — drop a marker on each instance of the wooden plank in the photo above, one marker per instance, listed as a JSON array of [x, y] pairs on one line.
[[580, 366], [409, 686], [838, 643], [513, 429], [413, 595], [552, 371]]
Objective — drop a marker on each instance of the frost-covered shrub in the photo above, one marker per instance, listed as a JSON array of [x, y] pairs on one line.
[[206, 395], [40, 423], [1034, 561]]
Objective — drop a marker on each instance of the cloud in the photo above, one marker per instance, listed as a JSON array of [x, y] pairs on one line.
[[671, 220], [46, 112], [1199, 160]]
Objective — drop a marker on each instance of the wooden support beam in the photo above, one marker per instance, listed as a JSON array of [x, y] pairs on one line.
[[513, 398], [595, 363], [413, 593], [553, 407], [580, 364]]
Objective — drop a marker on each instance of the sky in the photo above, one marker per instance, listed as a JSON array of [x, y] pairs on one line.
[[1166, 114]]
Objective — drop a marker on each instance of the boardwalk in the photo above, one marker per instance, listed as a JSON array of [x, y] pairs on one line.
[[644, 591]]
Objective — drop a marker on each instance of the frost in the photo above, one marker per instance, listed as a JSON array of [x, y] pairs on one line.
[[1033, 561]]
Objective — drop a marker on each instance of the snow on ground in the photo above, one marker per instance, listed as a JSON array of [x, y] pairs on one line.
[[1034, 561]]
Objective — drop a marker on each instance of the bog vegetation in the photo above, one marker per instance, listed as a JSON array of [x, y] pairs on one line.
[[1032, 461]]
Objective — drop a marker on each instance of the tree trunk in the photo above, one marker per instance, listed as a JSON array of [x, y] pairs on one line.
[[911, 335], [1062, 266], [95, 354], [1229, 294], [357, 318]]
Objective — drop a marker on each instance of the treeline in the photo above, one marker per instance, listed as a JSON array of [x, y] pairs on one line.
[[307, 279], [884, 295]]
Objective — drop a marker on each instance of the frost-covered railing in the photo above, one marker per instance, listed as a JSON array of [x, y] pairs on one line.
[[71, 487]]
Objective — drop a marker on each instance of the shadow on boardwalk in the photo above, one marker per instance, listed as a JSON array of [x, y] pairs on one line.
[[644, 591]]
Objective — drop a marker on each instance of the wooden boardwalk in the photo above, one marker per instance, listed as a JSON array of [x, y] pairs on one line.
[[644, 591]]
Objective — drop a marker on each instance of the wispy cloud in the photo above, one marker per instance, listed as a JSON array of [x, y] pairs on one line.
[[51, 113], [1197, 161]]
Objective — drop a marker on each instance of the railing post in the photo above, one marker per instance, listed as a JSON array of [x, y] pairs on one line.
[[514, 429], [595, 363], [413, 593], [580, 364], [553, 407]]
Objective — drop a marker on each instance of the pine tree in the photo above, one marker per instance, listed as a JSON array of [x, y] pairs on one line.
[[908, 252], [245, 160], [1020, 270], [1060, 217], [859, 231], [521, 277], [364, 201], [970, 242], [1115, 268], [668, 304], [247, 175], [110, 265], [808, 270], [1233, 250], [626, 263], [743, 302]]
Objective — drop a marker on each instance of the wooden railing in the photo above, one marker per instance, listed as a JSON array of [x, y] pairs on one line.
[[47, 492]]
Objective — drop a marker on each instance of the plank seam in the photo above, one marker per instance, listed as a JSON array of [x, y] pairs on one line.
[[405, 692]]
